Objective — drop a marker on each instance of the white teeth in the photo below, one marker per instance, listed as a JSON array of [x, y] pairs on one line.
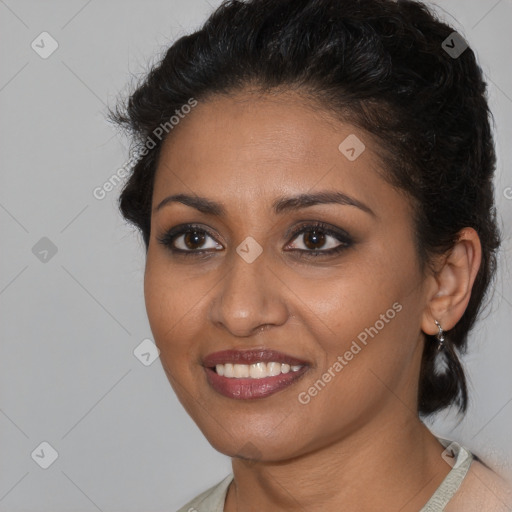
[[241, 370], [229, 371], [258, 370], [273, 369]]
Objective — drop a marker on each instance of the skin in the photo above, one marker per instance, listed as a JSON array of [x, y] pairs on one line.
[[245, 151]]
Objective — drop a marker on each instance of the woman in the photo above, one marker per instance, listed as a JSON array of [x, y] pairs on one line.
[[314, 190]]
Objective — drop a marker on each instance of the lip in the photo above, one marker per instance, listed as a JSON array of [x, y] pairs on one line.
[[247, 388]]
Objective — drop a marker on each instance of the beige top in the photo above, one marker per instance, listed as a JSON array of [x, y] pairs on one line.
[[212, 500]]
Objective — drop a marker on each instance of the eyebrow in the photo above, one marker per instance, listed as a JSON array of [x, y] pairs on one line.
[[280, 205]]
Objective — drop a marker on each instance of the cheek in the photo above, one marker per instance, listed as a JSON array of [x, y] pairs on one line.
[[169, 304], [353, 297], [364, 319]]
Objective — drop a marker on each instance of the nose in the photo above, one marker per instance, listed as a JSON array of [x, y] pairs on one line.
[[248, 298]]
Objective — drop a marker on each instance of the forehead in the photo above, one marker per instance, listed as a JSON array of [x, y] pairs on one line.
[[278, 126], [254, 147]]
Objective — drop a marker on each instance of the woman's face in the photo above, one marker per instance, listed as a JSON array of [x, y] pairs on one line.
[[346, 321]]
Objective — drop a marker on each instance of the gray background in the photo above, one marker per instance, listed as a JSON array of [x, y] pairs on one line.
[[70, 323]]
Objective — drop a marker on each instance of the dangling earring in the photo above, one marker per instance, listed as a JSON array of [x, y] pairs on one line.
[[440, 336]]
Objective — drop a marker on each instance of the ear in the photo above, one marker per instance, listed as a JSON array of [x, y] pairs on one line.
[[452, 283]]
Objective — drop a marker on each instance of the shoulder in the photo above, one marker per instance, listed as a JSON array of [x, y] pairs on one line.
[[211, 500], [482, 490]]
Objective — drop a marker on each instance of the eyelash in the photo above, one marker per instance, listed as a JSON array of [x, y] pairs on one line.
[[345, 241]]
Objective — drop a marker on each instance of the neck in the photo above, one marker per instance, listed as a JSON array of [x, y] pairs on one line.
[[396, 463]]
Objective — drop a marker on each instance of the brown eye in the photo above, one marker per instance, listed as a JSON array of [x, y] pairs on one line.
[[190, 239], [193, 239], [314, 239], [318, 239]]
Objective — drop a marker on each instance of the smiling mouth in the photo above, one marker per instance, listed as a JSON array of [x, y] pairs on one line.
[[250, 374]]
